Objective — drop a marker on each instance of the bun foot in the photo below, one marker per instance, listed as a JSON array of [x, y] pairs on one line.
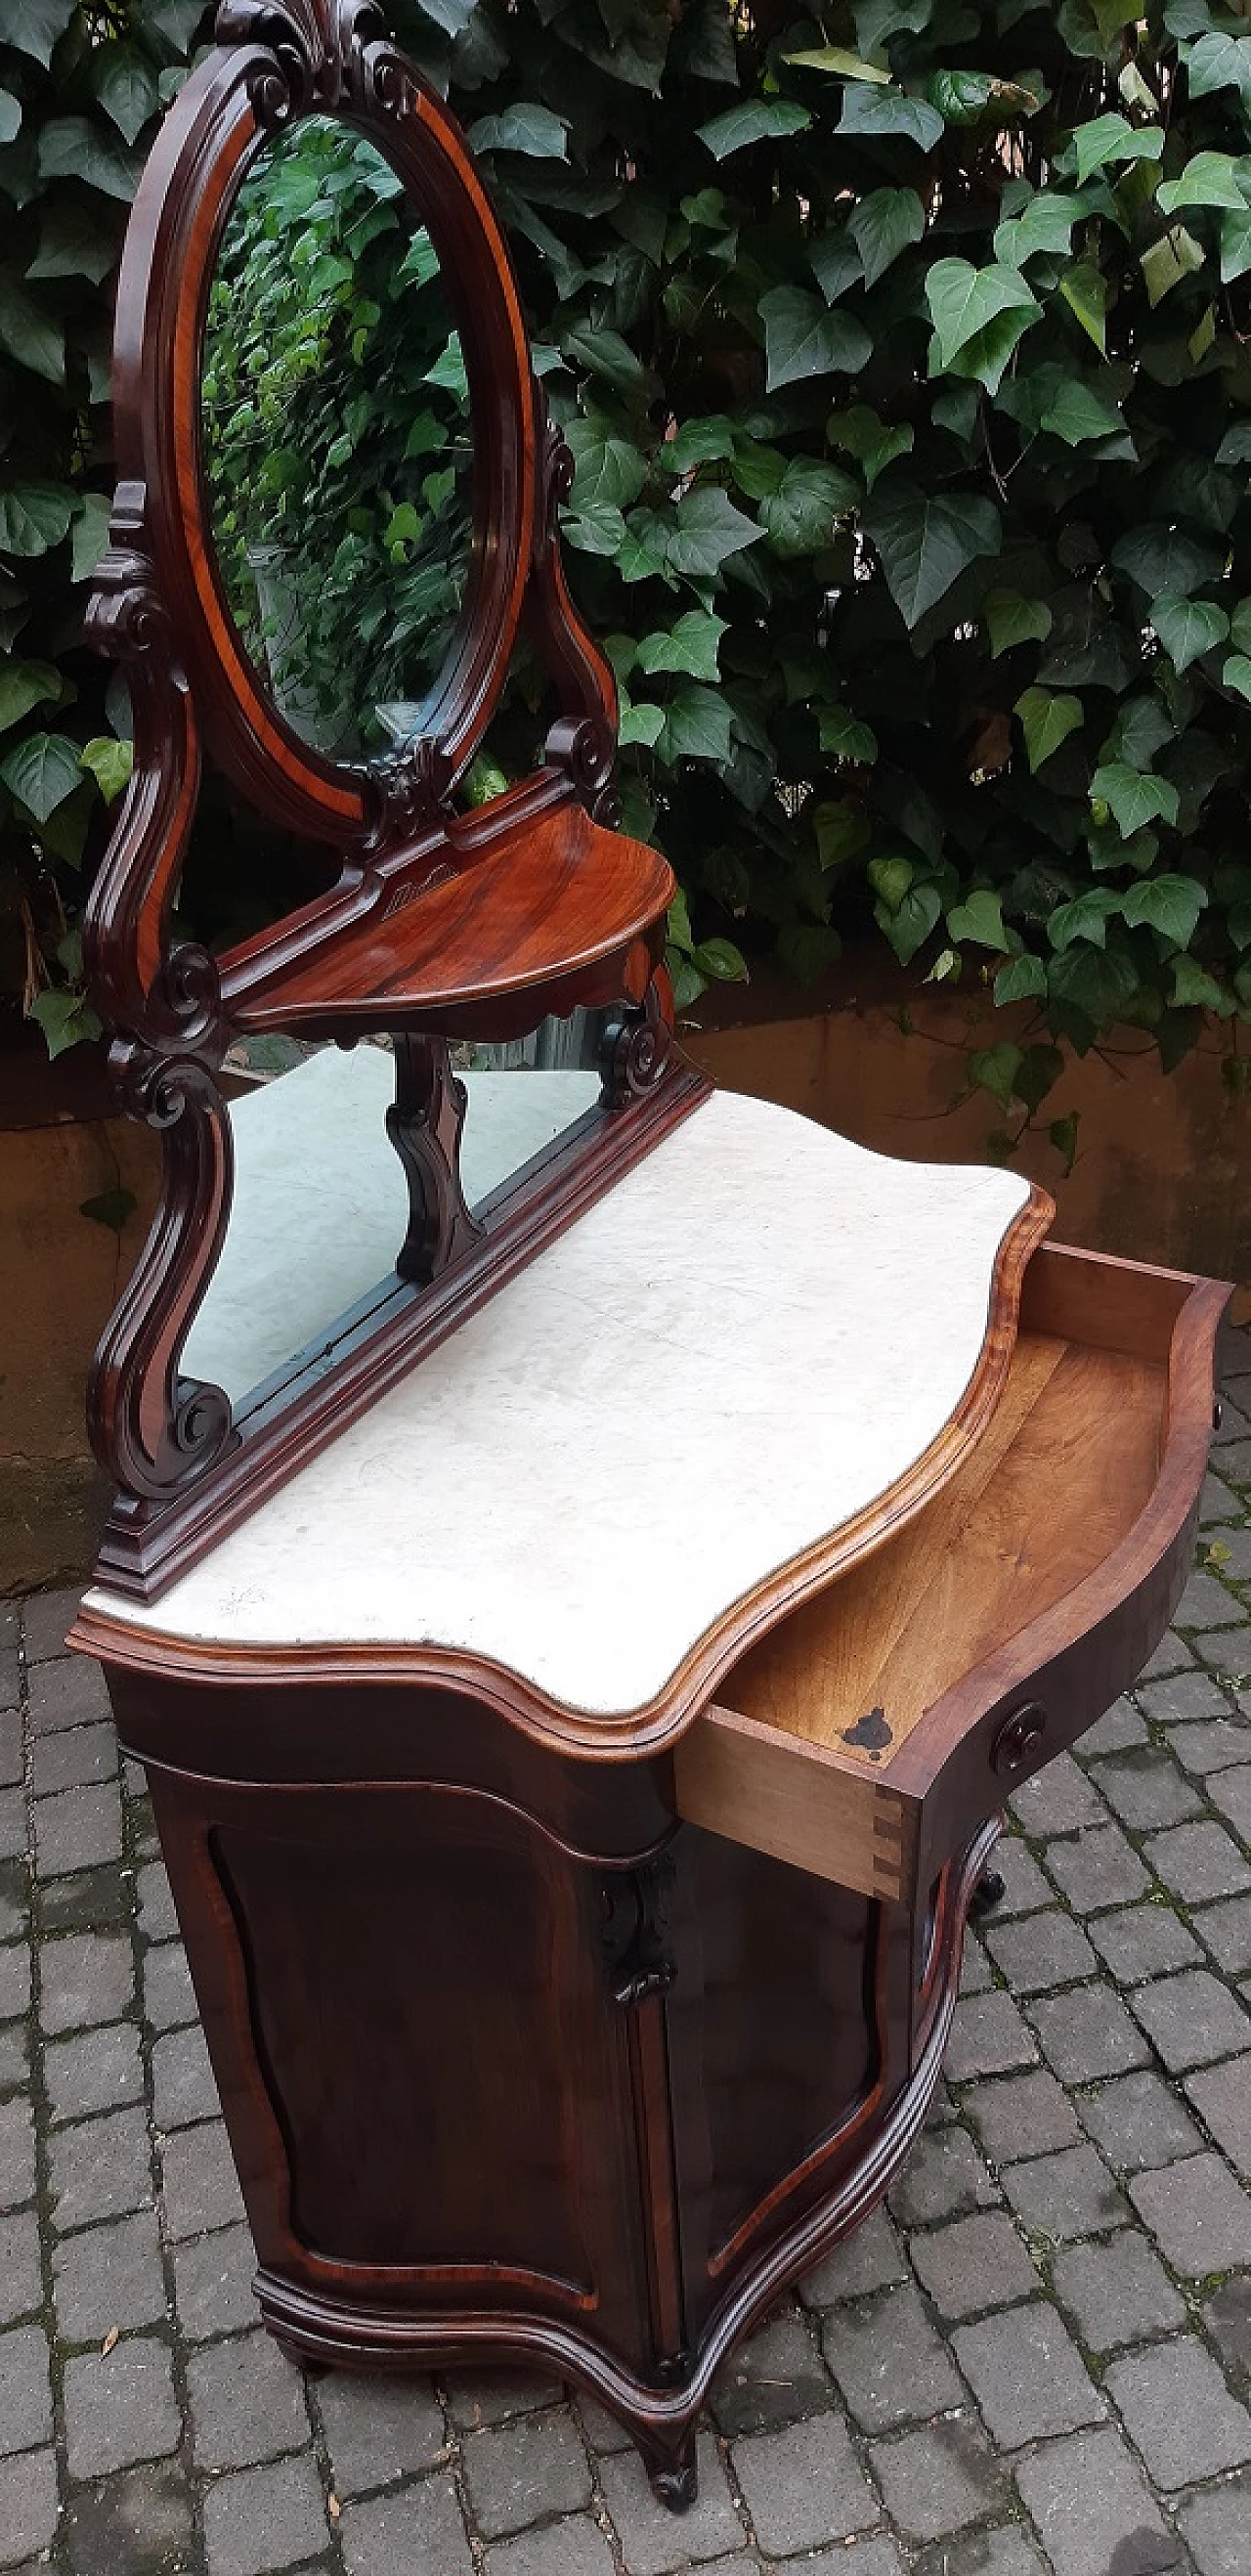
[[676, 2487], [988, 1893], [311, 2367]]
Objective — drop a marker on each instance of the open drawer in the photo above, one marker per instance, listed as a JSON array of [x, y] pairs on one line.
[[874, 1727]]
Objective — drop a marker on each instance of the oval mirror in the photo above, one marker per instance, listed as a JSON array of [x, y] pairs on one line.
[[335, 439]]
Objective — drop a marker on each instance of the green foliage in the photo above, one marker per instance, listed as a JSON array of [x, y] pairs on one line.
[[904, 351]]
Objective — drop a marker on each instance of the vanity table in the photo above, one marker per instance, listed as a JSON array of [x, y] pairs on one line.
[[592, 1554]]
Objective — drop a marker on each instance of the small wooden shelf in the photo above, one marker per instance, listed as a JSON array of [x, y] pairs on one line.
[[530, 911], [1033, 1587]]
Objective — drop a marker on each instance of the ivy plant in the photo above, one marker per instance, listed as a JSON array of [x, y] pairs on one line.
[[902, 346]]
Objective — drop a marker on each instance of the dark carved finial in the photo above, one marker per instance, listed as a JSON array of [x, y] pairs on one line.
[[407, 790], [637, 1951], [586, 748], [635, 1049], [425, 1128]]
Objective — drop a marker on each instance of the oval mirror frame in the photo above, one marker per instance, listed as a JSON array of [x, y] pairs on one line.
[[273, 65]]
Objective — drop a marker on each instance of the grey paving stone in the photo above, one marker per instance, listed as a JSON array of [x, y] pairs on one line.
[[17, 2154], [68, 1692], [1198, 1861], [1087, 2033], [137, 2523], [1058, 1800], [1027, 2376], [1206, 1604], [109, 2276], [258, 2520], [1172, 1655], [183, 2086], [866, 2260], [1197, 2213], [1041, 1951], [1116, 2293], [601, 2429], [100, 2169], [1093, 2509], [804, 2487], [1178, 2412], [976, 1973], [120, 2408], [76, 1830], [21, 2273], [199, 2182], [943, 2178], [1146, 1788], [938, 2480], [246, 2401], [1191, 2019], [11, 1767], [88, 1900], [25, 2393], [1188, 1695], [1024, 1887], [655, 2540], [848, 2558], [772, 2380], [213, 2286], [573, 2548], [100, 2070], [29, 2507], [1216, 2527], [1230, 1789], [1119, 1726], [378, 2430], [1065, 2196], [1217, 1501], [1227, 1931], [168, 1994], [1097, 1868], [157, 1918], [1004, 2551], [85, 1979], [1226, 2318], [14, 1899], [478, 2397], [15, 1986], [1143, 1941], [14, 2058], [518, 2471], [46, 1617], [1020, 2115], [1138, 2122], [887, 2359], [12, 1824], [1214, 1744], [1223, 1653], [988, 2037], [1222, 2098], [978, 2263], [79, 1757]]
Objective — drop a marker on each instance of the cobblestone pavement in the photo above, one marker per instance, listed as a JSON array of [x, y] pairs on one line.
[[1037, 2358]]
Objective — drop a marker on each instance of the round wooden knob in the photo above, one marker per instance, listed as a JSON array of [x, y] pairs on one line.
[[1017, 1738]]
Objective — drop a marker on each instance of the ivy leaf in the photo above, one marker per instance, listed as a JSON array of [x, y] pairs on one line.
[[881, 111], [754, 121], [802, 339], [34, 516], [1219, 62], [837, 60], [1086, 917], [799, 517], [1045, 224], [71, 147], [925, 541], [807, 948], [1175, 256], [908, 926], [885, 223], [10, 116], [697, 727], [1085, 291], [42, 771], [843, 733], [641, 722], [605, 355], [1023, 979], [1009, 619], [963, 300], [24, 685], [691, 646], [1209, 179], [91, 534], [110, 763], [1077, 412], [979, 919], [599, 529], [995, 1069], [1133, 796], [35, 26], [29, 333], [835, 263], [65, 1018], [861, 434], [125, 85], [1169, 904], [1237, 675], [1047, 720], [1235, 246], [1188, 627], [1110, 140], [73, 242], [708, 530], [533, 131], [1194, 988], [1165, 562], [608, 469]]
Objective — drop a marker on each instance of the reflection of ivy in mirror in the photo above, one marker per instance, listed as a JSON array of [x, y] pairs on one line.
[[335, 427]]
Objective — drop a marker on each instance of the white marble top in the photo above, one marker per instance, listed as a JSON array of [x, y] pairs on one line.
[[735, 1351], [321, 1203]]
